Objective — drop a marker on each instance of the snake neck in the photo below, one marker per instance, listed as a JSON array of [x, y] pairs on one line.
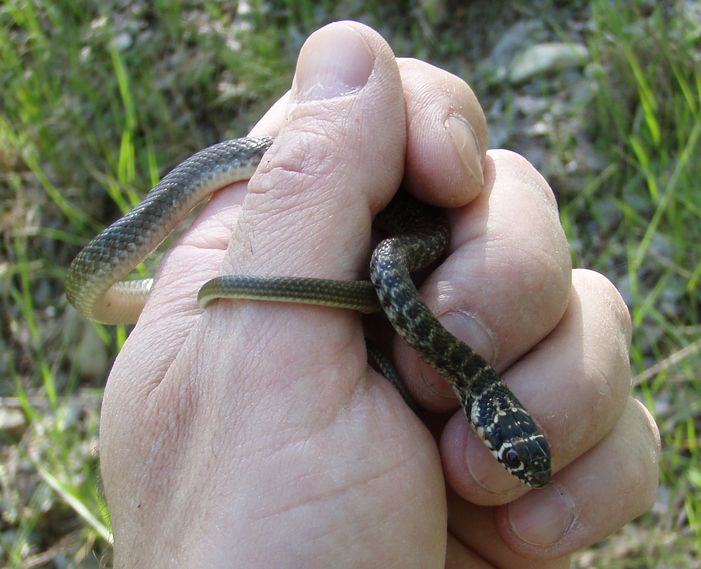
[[493, 411]]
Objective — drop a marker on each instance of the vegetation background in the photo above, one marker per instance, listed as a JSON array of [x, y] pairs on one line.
[[99, 98]]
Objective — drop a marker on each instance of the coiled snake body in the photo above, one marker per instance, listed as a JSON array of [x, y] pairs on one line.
[[418, 236]]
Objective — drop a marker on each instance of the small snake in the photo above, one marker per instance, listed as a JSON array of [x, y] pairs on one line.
[[418, 237]]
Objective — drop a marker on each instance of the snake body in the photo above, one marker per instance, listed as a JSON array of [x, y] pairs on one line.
[[418, 236], [93, 283]]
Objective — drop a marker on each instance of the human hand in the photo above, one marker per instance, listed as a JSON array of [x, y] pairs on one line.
[[254, 435]]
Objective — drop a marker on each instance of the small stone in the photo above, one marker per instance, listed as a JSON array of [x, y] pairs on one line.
[[12, 421], [523, 32], [90, 356], [546, 58]]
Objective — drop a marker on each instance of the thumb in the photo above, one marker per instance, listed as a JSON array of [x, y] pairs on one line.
[[337, 158], [308, 212]]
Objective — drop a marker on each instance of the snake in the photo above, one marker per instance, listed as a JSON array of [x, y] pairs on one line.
[[417, 236]]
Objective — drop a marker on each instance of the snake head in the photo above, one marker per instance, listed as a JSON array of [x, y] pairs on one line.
[[527, 458], [514, 439]]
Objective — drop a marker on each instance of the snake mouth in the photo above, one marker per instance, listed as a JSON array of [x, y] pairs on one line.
[[540, 479]]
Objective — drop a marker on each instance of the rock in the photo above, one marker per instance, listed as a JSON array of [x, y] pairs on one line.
[[546, 58], [12, 422], [511, 41], [90, 355]]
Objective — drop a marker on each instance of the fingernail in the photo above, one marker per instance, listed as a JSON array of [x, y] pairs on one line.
[[485, 470], [542, 517], [470, 330], [465, 142], [335, 61]]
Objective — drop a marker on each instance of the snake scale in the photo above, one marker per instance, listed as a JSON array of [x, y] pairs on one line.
[[417, 237]]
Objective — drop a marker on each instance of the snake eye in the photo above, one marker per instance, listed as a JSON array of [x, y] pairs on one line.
[[511, 458]]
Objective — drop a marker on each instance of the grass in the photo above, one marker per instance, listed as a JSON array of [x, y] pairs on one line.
[[648, 117], [98, 101]]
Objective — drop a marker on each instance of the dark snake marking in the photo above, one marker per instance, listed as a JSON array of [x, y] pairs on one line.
[[419, 237]]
